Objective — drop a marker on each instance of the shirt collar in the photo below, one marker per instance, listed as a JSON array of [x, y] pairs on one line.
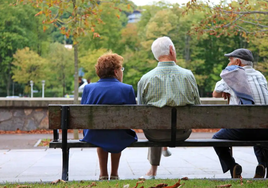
[[248, 67], [108, 79], [166, 63]]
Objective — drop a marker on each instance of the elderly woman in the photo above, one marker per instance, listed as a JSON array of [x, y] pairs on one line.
[[109, 90]]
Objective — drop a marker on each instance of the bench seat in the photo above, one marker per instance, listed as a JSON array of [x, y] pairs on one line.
[[146, 117]]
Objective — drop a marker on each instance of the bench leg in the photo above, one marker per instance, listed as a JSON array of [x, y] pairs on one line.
[[55, 135], [65, 164], [265, 154], [65, 148]]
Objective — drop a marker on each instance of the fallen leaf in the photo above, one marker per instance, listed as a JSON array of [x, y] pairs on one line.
[[178, 184], [139, 182], [248, 181], [161, 185], [126, 186], [58, 181], [226, 185], [93, 184]]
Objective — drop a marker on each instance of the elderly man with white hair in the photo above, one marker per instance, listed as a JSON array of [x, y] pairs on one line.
[[166, 85]]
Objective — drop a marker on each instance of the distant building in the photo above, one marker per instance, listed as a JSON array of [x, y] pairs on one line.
[[68, 46], [134, 17]]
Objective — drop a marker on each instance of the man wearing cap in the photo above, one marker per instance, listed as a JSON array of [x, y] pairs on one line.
[[252, 89]]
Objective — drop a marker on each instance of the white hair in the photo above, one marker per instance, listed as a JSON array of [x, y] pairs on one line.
[[161, 46], [245, 62]]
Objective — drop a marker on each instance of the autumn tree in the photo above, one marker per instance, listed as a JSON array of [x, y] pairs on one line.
[[85, 15], [242, 24], [28, 65], [242, 17], [19, 29], [109, 30]]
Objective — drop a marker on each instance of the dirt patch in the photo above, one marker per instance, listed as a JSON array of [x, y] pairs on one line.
[[45, 131], [39, 131]]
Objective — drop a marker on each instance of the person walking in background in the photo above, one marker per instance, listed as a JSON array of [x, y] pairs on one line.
[[109, 90], [166, 85], [242, 84], [166, 152]]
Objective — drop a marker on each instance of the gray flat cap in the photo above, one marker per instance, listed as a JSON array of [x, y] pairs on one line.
[[241, 53]]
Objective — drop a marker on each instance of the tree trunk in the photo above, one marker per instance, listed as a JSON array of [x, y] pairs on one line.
[[75, 44], [8, 78], [187, 48], [76, 136]]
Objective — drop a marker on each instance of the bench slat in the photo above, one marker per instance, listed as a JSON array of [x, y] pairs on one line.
[[118, 116], [223, 116], [149, 117], [187, 143]]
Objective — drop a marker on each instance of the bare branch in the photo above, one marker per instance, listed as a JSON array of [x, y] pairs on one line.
[[227, 25], [249, 12], [256, 24], [243, 29]]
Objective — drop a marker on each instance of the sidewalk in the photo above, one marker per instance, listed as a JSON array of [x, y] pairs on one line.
[[35, 164]]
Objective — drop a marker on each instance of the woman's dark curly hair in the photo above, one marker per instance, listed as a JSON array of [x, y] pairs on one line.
[[107, 63]]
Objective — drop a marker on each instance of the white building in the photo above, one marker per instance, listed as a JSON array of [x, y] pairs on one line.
[[134, 17]]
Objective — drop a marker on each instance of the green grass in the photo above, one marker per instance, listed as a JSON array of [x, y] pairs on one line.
[[195, 183]]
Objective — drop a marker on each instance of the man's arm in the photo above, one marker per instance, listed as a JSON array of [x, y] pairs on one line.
[[139, 93], [221, 94], [217, 94], [195, 89]]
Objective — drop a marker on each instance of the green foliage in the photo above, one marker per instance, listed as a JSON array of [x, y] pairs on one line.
[[104, 28], [28, 65], [136, 64], [61, 68], [129, 37], [88, 62], [19, 29], [109, 31]]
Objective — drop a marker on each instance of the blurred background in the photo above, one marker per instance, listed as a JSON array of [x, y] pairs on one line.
[[37, 50]]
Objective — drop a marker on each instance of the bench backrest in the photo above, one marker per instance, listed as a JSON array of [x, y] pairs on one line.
[[149, 117]]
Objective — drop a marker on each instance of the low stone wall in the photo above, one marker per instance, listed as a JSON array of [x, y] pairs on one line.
[[27, 113], [32, 113]]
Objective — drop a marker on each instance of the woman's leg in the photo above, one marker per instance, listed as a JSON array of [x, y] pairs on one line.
[[115, 157], [103, 159]]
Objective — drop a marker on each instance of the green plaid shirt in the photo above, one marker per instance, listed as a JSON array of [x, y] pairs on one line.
[[168, 84]]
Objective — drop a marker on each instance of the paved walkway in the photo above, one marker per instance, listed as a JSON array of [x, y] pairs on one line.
[[34, 164]]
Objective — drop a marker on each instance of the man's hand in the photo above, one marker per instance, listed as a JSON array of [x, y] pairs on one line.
[[225, 95]]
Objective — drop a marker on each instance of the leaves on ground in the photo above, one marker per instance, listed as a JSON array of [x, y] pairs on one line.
[[44, 142], [226, 185], [158, 183]]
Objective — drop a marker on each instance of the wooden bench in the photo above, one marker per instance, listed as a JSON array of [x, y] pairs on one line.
[[66, 117]]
